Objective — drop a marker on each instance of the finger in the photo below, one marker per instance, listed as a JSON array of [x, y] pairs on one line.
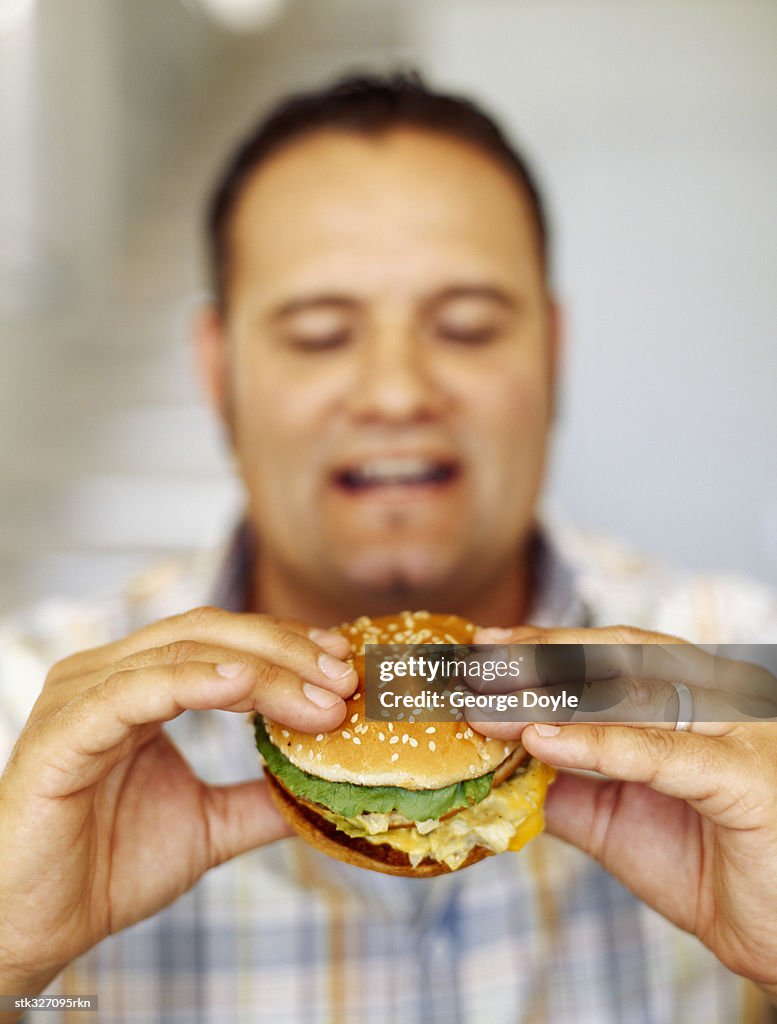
[[714, 774], [564, 655], [240, 818], [336, 677], [579, 809], [646, 840], [643, 702], [286, 643], [331, 640], [278, 693], [572, 635], [79, 744], [573, 655]]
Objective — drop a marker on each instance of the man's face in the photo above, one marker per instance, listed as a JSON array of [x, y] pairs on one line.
[[389, 365]]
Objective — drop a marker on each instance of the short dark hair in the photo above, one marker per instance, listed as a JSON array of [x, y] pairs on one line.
[[363, 105]]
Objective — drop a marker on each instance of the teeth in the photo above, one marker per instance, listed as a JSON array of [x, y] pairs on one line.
[[396, 470]]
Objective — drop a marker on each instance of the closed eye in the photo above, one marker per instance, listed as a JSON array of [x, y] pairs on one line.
[[318, 342], [467, 335], [471, 315], [319, 324]]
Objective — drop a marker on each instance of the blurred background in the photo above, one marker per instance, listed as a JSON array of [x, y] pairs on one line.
[[653, 126]]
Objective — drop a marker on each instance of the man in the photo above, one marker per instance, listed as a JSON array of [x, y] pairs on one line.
[[382, 349]]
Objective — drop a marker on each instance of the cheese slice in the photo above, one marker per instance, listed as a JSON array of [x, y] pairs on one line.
[[506, 819]]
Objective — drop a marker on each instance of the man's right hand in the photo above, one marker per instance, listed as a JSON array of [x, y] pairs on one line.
[[102, 821]]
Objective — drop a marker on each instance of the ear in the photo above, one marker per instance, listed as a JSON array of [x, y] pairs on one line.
[[555, 350], [211, 359]]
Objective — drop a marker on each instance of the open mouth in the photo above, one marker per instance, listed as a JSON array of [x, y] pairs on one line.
[[396, 471]]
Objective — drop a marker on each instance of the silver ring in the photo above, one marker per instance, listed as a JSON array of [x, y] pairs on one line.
[[685, 709]]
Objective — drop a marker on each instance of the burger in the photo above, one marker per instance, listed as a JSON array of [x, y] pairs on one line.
[[404, 797]]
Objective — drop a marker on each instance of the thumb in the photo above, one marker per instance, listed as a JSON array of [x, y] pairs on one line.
[[241, 817]]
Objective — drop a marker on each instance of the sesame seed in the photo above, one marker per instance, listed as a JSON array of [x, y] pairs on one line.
[[405, 737], [381, 736], [345, 734], [394, 739], [299, 747], [472, 769], [459, 735], [355, 718], [285, 733], [431, 729], [413, 742], [319, 737], [356, 740], [432, 745], [391, 726], [468, 734], [507, 750], [395, 757]]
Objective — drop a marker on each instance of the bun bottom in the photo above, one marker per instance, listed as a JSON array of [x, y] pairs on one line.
[[324, 836]]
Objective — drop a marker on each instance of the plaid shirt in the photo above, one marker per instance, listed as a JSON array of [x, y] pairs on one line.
[[286, 935]]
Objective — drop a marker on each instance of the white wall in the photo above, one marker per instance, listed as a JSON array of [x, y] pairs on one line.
[[654, 126]]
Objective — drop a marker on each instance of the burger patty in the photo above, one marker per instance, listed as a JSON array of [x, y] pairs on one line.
[[381, 852]]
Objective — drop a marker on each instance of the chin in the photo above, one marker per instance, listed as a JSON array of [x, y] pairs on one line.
[[408, 569]]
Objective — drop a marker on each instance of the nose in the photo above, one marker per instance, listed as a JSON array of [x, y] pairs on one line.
[[396, 380]]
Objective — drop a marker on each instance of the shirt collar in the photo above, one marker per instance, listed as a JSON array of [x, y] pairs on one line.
[[556, 600]]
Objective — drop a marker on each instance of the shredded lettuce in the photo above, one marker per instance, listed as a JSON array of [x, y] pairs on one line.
[[348, 799]]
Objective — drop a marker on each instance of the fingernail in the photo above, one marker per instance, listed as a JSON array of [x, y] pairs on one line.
[[333, 667], [546, 730], [320, 697], [325, 638], [231, 669]]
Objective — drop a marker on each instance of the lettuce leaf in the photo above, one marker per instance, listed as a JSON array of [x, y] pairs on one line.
[[348, 799]]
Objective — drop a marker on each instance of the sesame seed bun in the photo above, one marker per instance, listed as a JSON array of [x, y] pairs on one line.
[[413, 755]]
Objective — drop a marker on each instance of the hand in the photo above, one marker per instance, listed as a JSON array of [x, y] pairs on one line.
[[102, 821], [687, 820]]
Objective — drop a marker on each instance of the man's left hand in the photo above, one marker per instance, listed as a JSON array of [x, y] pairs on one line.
[[686, 819]]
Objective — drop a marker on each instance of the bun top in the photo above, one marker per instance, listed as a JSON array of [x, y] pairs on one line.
[[414, 755]]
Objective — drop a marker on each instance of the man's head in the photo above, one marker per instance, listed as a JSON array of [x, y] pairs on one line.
[[382, 350]]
